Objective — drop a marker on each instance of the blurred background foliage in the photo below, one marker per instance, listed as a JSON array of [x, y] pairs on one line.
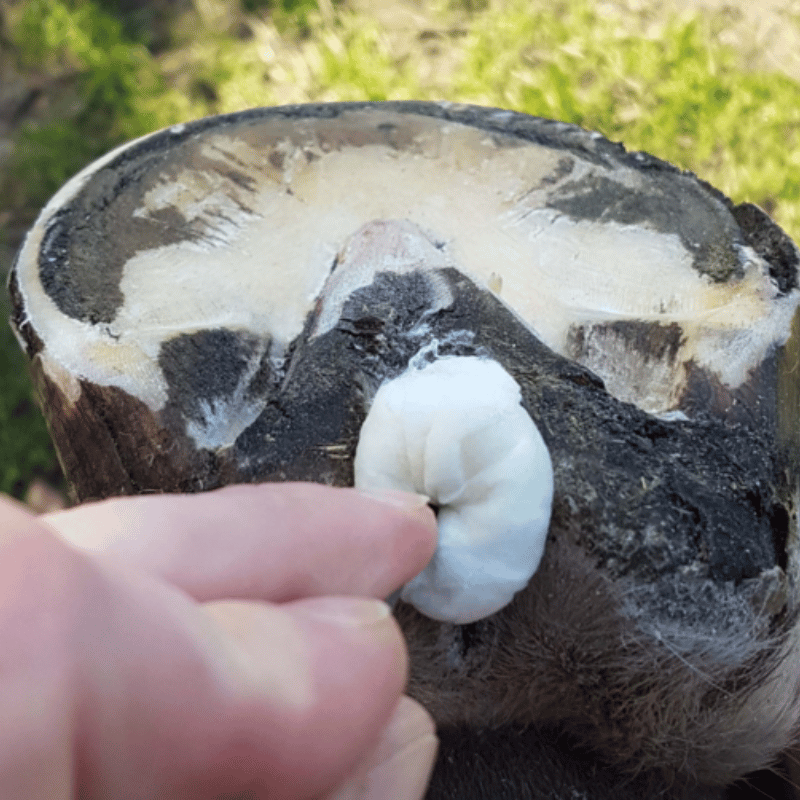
[[77, 77]]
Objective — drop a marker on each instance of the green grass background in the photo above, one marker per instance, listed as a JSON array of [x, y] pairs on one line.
[[106, 71]]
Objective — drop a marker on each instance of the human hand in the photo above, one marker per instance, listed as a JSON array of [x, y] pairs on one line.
[[210, 646]]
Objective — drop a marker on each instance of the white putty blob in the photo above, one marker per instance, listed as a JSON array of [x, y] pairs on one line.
[[455, 431]]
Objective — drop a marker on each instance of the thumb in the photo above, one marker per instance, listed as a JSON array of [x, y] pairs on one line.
[[234, 698], [317, 682]]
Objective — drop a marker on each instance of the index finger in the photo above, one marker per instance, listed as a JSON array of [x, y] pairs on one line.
[[273, 542]]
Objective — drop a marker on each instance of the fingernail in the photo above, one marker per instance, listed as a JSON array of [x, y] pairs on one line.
[[417, 505], [350, 612], [352, 790], [407, 501], [402, 763], [409, 722], [406, 774], [405, 756]]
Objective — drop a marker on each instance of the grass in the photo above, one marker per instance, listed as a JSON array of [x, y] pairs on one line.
[[661, 83]]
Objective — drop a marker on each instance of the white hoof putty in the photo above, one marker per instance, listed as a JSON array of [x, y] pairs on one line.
[[455, 431]]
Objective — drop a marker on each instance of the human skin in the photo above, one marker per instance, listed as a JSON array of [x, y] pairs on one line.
[[224, 645]]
